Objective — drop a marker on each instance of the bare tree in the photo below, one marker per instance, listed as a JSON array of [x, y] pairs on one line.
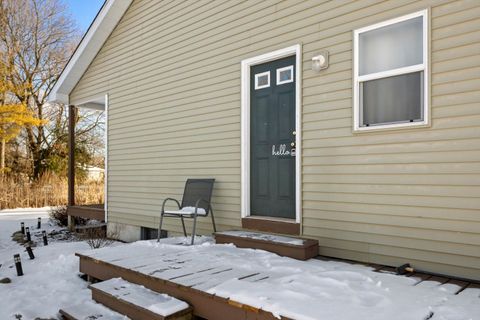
[[39, 36]]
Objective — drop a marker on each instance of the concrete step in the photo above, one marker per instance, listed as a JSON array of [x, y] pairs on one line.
[[90, 311], [293, 247], [138, 302]]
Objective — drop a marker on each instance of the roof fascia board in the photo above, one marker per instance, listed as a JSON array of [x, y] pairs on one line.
[[92, 42]]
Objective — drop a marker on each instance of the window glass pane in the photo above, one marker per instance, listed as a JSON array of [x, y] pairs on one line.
[[286, 75], [394, 46], [393, 99], [262, 80]]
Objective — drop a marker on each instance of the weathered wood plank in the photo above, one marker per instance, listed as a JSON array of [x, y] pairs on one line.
[[208, 283], [433, 282], [456, 286], [420, 277], [472, 290]]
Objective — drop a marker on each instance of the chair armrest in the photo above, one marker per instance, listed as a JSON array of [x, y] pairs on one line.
[[169, 199], [198, 202]]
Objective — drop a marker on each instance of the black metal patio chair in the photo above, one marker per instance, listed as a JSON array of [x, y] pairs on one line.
[[195, 203]]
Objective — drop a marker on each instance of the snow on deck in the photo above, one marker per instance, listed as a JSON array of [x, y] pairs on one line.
[[264, 237], [89, 310], [158, 303], [300, 290]]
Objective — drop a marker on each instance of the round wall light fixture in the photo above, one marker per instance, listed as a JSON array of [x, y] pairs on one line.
[[320, 61]]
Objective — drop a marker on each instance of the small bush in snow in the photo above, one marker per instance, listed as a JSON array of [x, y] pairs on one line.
[[97, 237], [59, 215]]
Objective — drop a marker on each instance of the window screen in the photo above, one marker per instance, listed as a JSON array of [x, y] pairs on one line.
[[391, 72]]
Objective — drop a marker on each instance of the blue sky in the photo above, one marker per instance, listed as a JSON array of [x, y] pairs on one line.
[[84, 11]]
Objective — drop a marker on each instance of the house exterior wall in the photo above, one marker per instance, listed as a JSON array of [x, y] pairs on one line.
[[172, 72]]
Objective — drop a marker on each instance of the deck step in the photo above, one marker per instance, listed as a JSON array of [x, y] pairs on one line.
[[90, 311], [297, 248], [138, 302]]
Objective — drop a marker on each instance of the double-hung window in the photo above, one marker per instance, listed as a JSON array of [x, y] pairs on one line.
[[391, 73]]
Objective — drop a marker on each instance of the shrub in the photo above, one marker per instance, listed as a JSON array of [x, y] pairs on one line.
[[97, 237], [59, 215]]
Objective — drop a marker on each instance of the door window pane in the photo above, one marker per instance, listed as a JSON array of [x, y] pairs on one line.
[[393, 99], [262, 80], [285, 75], [391, 47]]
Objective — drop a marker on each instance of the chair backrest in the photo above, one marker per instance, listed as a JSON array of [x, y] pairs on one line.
[[198, 189]]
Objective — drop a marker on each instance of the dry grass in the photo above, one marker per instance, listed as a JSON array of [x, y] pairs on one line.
[[49, 190]]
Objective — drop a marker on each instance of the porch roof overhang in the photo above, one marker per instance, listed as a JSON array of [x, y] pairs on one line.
[[98, 32]]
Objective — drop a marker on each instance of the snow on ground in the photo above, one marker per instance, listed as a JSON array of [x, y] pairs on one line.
[[51, 280]]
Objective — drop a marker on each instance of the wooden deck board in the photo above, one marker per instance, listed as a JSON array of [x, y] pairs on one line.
[[171, 270], [387, 269], [185, 272], [451, 288], [256, 278], [198, 277], [433, 282], [146, 261], [420, 277], [211, 282], [87, 212], [455, 286], [472, 290]]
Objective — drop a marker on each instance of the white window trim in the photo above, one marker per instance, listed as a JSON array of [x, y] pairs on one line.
[[357, 79], [283, 69], [258, 75], [245, 112]]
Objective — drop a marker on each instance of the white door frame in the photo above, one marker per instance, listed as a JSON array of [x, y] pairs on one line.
[[245, 166]]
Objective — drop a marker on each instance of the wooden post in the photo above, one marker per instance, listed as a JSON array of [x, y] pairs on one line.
[[71, 161]]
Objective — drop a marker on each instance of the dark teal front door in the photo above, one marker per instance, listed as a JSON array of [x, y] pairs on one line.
[[272, 139]]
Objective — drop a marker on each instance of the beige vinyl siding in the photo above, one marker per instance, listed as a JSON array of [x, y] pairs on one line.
[[172, 71]]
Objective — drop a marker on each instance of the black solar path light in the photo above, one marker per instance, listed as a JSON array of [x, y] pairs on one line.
[[45, 240], [39, 223], [18, 264], [30, 252], [22, 227], [29, 237]]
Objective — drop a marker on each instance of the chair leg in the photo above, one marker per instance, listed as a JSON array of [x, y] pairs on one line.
[[183, 225], [194, 228], [160, 227], [213, 220]]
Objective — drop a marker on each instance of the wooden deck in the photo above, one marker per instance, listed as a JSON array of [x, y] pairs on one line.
[[193, 274], [93, 211], [174, 273]]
